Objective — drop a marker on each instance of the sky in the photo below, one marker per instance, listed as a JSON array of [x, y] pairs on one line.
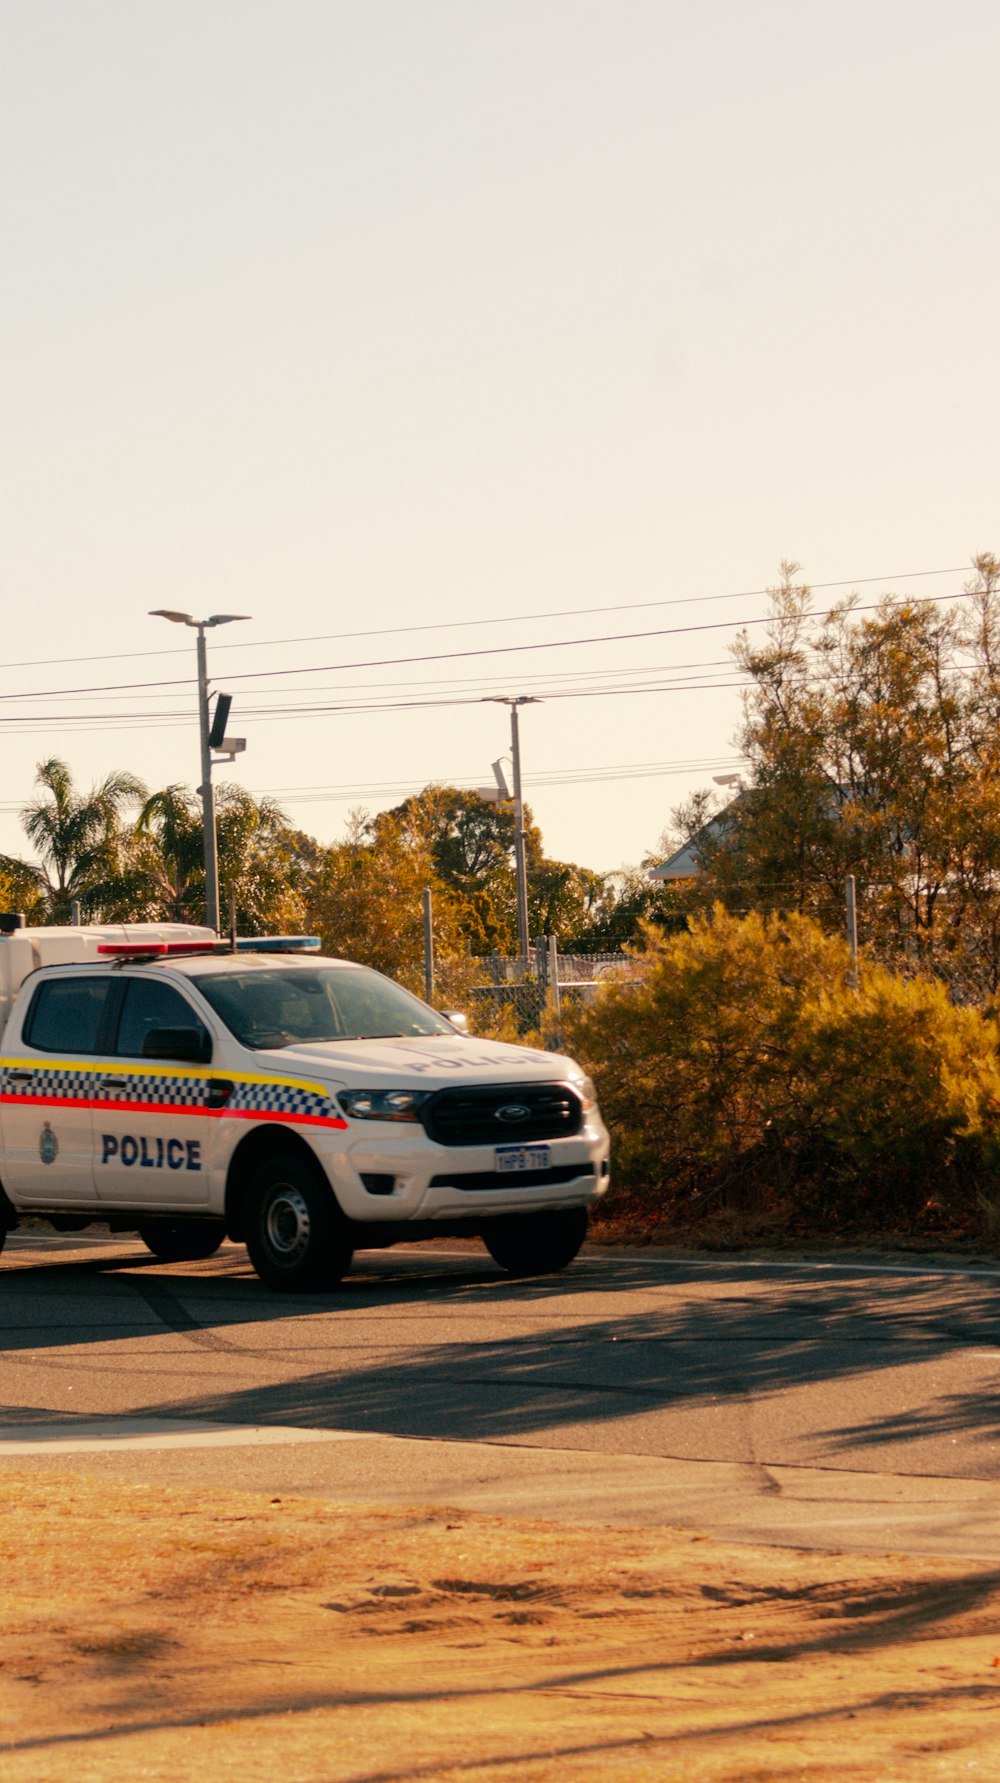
[[475, 349]]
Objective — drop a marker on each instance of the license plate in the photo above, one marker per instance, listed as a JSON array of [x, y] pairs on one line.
[[511, 1160]]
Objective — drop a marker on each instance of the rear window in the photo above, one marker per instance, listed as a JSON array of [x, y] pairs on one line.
[[65, 1015]]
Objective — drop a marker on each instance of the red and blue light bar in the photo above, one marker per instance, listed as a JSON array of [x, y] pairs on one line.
[[244, 944]]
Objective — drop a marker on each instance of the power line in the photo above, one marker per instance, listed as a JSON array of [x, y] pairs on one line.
[[495, 619], [458, 682], [452, 655], [318, 793]]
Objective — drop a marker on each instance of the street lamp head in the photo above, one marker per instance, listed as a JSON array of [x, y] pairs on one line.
[[188, 619]]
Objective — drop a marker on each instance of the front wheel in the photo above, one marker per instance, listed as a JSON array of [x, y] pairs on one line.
[[296, 1236], [537, 1243], [182, 1241]]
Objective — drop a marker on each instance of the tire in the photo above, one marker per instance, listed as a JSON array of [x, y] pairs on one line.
[[182, 1241], [295, 1235], [537, 1243]]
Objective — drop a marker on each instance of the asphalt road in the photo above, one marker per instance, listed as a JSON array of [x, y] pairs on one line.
[[825, 1403]]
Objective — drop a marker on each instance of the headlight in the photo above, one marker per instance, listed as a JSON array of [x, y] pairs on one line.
[[382, 1105], [584, 1087]]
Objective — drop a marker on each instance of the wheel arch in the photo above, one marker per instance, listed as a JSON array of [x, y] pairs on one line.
[[253, 1149], [9, 1216]]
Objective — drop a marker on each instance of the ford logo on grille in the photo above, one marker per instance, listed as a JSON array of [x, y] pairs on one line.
[[513, 1111]]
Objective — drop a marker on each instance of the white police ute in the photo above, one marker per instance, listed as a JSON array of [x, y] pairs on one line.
[[159, 1080]]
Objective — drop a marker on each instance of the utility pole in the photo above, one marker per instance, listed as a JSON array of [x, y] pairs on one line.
[[852, 928], [428, 945], [520, 863], [208, 740]]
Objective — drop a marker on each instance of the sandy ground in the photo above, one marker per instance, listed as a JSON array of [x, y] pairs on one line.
[[146, 1634]]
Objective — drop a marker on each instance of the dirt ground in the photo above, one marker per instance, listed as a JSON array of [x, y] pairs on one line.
[[148, 1635]]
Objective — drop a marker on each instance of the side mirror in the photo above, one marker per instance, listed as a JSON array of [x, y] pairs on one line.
[[459, 1022], [185, 1045]]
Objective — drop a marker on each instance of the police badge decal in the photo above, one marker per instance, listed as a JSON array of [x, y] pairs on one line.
[[48, 1145]]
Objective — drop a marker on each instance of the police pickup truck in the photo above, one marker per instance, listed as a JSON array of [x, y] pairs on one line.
[[164, 1082]]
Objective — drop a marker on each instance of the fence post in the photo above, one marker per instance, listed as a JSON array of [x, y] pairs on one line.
[[852, 930], [428, 944], [554, 977]]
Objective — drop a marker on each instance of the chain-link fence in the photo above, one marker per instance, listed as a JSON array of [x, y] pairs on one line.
[[516, 999]]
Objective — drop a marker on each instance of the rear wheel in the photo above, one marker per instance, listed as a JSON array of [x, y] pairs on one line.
[[182, 1241], [537, 1243], [296, 1235]]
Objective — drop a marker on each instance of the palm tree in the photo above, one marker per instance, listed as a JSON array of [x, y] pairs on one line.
[[170, 854], [79, 840], [260, 859], [260, 863]]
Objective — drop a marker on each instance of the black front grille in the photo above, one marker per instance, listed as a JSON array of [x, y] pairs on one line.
[[485, 1114], [512, 1179]]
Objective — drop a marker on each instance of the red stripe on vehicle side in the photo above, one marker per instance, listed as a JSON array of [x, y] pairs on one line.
[[233, 1114]]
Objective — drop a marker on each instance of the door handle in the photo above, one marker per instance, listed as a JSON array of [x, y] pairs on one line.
[[110, 1083], [20, 1076]]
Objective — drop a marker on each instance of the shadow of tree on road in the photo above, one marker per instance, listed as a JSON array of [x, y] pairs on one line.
[[676, 1334], [726, 1349]]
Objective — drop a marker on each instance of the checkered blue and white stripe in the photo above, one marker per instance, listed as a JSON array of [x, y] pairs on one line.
[[43, 1085], [279, 1098], [268, 1097]]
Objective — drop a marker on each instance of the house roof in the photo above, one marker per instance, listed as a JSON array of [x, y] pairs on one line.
[[686, 864]]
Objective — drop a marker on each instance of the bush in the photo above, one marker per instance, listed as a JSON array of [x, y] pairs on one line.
[[745, 1068]]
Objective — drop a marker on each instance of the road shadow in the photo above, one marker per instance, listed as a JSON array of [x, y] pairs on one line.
[[551, 1355], [719, 1351]]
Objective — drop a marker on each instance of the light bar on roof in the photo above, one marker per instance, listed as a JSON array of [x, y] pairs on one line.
[[134, 948], [143, 949], [277, 944], [244, 944]]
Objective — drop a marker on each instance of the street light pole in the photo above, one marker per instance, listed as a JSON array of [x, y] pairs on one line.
[[207, 792], [205, 789], [520, 862]]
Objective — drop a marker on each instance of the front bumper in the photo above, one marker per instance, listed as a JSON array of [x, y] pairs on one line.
[[381, 1176]]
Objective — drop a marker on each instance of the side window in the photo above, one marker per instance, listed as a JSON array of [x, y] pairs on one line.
[[65, 1015], [148, 1005]]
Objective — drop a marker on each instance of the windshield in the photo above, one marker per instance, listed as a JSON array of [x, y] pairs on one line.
[[282, 1008]]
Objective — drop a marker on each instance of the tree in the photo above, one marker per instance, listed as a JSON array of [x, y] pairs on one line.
[[630, 901], [169, 855], [469, 844], [366, 900], [259, 863], [20, 891], [745, 1064], [80, 841], [873, 748], [563, 899], [260, 860]]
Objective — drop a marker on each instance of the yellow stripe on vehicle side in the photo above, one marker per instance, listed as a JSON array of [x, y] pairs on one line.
[[107, 1067]]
